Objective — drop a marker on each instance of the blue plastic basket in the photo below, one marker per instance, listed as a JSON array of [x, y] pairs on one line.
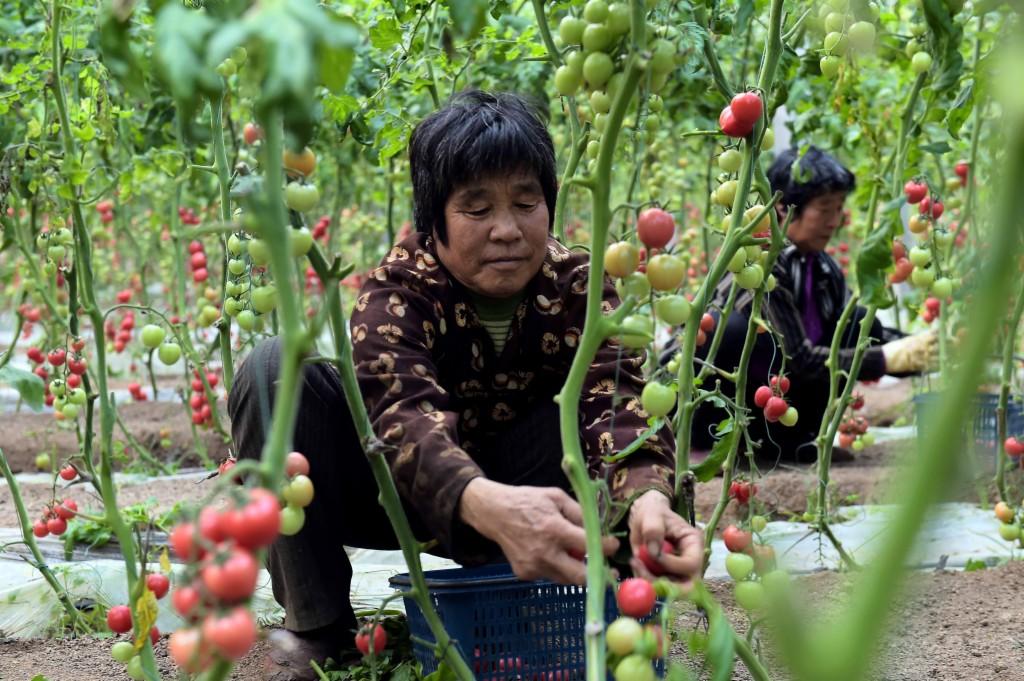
[[985, 429], [504, 627]]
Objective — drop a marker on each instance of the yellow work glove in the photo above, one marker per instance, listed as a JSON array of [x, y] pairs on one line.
[[912, 354]]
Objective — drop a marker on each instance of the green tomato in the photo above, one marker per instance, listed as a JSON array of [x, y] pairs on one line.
[[943, 238], [921, 62], [122, 651], [43, 460], [749, 595], [208, 315], [134, 669], [657, 399], [738, 261], [299, 492], [636, 285], [835, 21], [573, 60], [56, 253], [921, 257], [730, 161], [868, 438], [58, 387], [858, 445], [618, 20], [70, 411], [600, 102], [601, 123], [292, 520], [301, 197], [259, 251], [768, 140], [912, 48], [64, 236], [943, 287], [77, 397], [236, 266], [655, 103], [637, 331], [264, 298], [567, 82], [622, 635], [789, 417], [758, 523], [663, 56], [232, 306], [597, 68], [596, 37], [922, 278], [634, 668], [1009, 532], [862, 36], [570, 30], [739, 566], [829, 65], [595, 11], [835, 43], [227, 68], [169, 353], [301, 241], [593, 149], [771, 283], [726, 193], [152, 335], [239, 55], [672, 309], [235, 245], [750, 277], [775, 582], [246, 320]]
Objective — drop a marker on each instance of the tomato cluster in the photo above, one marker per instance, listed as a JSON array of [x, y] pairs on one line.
[[853, 433], [843, 35], [1009, 521], [202, 412], [771, 399], [742, 491], [55, 517], [751, 565], [64, 393]]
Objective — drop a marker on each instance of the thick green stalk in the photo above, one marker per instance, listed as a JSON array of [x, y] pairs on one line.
[[1002, 460], [595, 331], [30, 542], [275, 230], [388, 493], [220, 160], [841, 651]]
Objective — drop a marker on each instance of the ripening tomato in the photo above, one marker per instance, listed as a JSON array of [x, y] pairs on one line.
[[736, 540], [707, 323], [296, 463], [303, 162], [1004, 512], [621, 259], [622, 635], [252, 132], [635, 597], [231, 635], [380, 639], [655, 227], [119, 619], [189, 651], [666, 272], [232, 579]]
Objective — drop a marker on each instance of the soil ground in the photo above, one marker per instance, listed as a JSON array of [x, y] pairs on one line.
[[950, 625], [953, 626]]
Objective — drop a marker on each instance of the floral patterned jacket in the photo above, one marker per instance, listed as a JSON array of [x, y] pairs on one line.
[[435, 387]]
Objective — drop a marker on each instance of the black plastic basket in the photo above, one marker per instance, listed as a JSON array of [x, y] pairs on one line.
[[985, 428], [504, 627]]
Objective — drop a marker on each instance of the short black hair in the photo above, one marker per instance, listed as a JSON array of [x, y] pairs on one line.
[[804, 178], [475, 135]]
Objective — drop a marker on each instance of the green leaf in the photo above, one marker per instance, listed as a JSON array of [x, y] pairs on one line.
[[960, 110], [443, 673], [873, 264], [468, 17], [125, 63], [28, 385], [974, 565], [936, 148], [709, 467], [944, 39], [721, 646], [385, 33]]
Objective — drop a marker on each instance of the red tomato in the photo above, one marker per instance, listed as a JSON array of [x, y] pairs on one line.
[[741, 491], [233, 579], [650, 562], [77, 365], [732, 127], [736, 540], [231, 635], [119, 619], [782, 383], [154, 635], [256, 524], [915, 191], [189, 651], [380, 639], [56, 526], [185, 599], [56, 357], [158, 583], [195, 246], [211, 525], [104, 206], [775, 408], [39, 529], [746, 108], [635, 597], [67, 509], [762, 395], [961, 169], [655, 227], [183, 542], [68, 473], [252, 132]]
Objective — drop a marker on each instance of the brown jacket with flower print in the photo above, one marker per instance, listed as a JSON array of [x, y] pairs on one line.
[[435, 388]]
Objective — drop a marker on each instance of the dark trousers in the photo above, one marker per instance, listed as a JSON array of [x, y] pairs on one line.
[[809, 396], [310, 572]]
